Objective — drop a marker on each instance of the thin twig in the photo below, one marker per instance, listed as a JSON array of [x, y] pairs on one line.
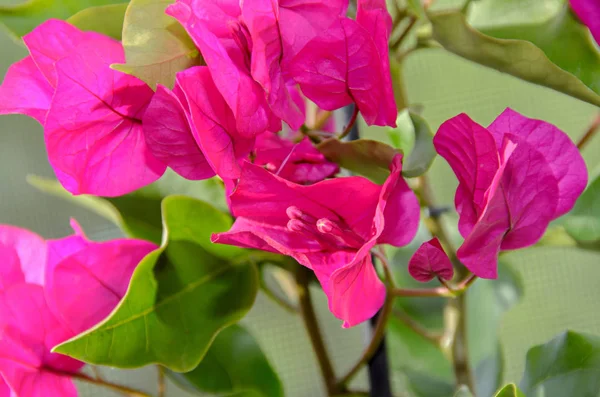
[[312, 327], [112, 386], [432, 337], [590, 132], [398, 42], [162, 385], [350, 123], [276, 298], [322, 120]]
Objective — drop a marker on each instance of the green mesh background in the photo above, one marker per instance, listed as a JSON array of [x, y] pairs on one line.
[[560, 284]]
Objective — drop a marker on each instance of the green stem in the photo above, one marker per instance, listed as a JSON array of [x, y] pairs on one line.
[[276, 298], [312, 327], [162, 386], [417, 327], [459, 345], [100, 382], [590, 132]]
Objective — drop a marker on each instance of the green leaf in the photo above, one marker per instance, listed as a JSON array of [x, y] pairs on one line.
[[364, 156], [234, 364], [488, 13], [568, 365], [414, 139], [486, 303], [23, 18], [510, 390], [156, 45], [107, 20], [180, 296], [583, 222], [463, 391], [138, 213], [523, 59]]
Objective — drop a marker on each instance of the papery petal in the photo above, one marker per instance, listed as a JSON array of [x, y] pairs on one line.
[[430, 261], [86, 286], [25, 91], [264, 197], [93, 130], [52, 41], [398, 212], [588, 11], [342, 66], [29, 330], [472, 153], [43, 384], [261, 18], [375, 18], [303, 20], [518, 212], [560, 153], [213, 122], [10, 268], [4, 389], [170, 139], [30, 250], [226, 60]]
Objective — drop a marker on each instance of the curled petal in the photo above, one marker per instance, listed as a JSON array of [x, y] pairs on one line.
[[430, 261], [29, 249]]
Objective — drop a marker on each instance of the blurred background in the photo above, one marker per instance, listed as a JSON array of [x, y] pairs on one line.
[[560, 284]]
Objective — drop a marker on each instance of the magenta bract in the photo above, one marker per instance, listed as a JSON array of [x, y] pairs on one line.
[[329, 227], [588, 11], [514, 178], [430, 261]]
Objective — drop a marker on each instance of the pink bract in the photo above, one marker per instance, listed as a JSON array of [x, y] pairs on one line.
[[329, 227], [588, 11], [51, 292], [515, 177], [430, 261], [91, 114]]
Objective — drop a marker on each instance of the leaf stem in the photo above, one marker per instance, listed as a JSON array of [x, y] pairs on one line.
[[162, 386], [312, 327], [100, 382], [590, 132], [398, 42], [276, 298], [432, 337], [350, 123]]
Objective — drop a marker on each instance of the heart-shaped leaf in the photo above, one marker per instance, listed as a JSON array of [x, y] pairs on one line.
[[233, 364], [156, 45], [180, 296], [565, 61], [22, 18], [568, 365], [414, 138], [107, 20]]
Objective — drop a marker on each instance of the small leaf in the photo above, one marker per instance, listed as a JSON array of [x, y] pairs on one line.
[[22, 18], [107, 20], [522, 58], [568, 365], [233, 364], [138, 213], [583, 222], [463, 391], [180, 296], [510, 390], [414, 138], [156, 45], [403, 136], [365, 157]]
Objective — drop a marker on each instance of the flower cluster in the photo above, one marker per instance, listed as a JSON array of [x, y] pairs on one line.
[[51, 291]]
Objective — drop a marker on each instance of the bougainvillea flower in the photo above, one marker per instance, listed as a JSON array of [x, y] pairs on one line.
[[297, 162], [53, 291], [588, 11], [329, 227], [514, 178], [91, 113], [430, 261], [348, 63], [193, 130]]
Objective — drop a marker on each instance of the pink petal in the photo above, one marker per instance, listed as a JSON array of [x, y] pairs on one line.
[[25, 91], [30, 250], [588, 11], [226, 61], [4, 389], [214, 123], [10, 267], [29, 330], [518, 212], [170, 139], [87, 285], [430, 261], [374, 17], [261, 18], [303, 20], [560, 153], [50, 42], [342, 66], [93, 131], [471, 152], [398, 211]]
